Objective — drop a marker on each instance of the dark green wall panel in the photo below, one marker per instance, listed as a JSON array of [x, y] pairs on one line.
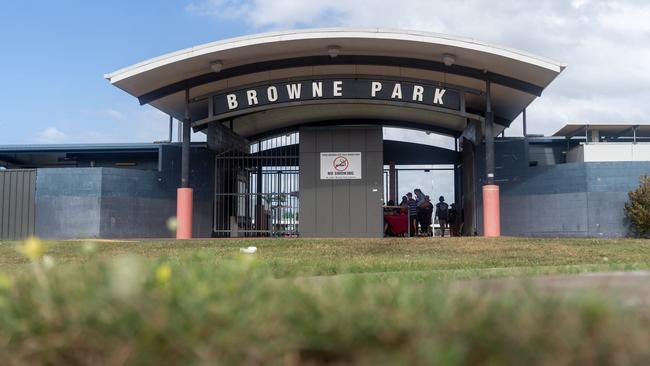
[[17, 188]]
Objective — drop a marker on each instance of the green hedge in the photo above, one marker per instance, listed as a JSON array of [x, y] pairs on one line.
[[126, 310]]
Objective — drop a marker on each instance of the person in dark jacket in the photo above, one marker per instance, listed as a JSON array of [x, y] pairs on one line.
[[426, 211], [442, 213], [453, 220], [413, 213]]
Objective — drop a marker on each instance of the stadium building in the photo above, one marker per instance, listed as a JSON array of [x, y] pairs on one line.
[[294, 145]]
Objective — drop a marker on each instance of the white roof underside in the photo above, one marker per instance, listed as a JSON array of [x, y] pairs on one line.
[[171, 68]]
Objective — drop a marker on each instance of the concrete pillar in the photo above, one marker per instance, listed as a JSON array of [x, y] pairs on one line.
[[489, 135], [525, 124], [184, 213], [491, 211], [184, 194]]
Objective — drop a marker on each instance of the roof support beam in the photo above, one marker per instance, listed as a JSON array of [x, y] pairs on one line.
[[340, 60], [489, 136], [185, 147]]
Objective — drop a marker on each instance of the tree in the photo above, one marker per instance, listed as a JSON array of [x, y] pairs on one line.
[[637, 209]]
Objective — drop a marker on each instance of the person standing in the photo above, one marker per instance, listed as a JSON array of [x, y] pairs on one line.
[[420, 202], [404, 205], [425, 216], [442, 213], [453, 220], [413, 213]]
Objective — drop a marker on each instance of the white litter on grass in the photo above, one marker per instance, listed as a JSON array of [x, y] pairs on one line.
[[248, 250]]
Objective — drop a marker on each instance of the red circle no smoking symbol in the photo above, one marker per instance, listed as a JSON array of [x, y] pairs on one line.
[[341, 163]]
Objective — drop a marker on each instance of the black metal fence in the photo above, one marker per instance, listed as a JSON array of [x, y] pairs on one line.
[[256, 192]]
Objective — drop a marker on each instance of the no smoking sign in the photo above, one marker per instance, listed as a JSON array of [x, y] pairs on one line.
[[340, 165]]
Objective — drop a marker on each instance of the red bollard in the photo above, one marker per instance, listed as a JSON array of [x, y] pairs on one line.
[[491, 211], [184, 213]]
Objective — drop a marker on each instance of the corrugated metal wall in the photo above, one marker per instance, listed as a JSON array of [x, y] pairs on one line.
[[17, 191]]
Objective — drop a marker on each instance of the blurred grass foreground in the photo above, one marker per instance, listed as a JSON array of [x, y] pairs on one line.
[[294, 302]]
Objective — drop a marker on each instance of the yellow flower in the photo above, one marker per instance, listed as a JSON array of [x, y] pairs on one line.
[[33, 248], [163, 274]]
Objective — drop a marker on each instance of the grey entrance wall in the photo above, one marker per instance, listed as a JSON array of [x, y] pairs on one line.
[[122, 203], [344, 208], [573, 199], [561, 200], [101, 203]]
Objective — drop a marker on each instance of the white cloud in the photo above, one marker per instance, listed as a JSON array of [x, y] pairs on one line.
[[579, 3], [605, 43], [114, 114], [626, 18], [50, 135], [113, 125]]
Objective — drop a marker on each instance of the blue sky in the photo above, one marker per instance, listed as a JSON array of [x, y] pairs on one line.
[[55, 53], [54, 56]]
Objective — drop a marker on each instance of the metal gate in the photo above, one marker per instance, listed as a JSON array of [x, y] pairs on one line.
[[256, 192], [17, 206]]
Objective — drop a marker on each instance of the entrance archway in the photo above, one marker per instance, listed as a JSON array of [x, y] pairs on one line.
[[243, 89]]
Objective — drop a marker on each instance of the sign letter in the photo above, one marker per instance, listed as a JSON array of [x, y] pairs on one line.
[[252, 97], [272, 93], [338, 88], [232, 101], [294, 90], [437, 97], [397, 91], [417, 93], [375, 87], [317, 89]]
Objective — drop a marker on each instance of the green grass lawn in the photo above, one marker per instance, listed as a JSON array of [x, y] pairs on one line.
[[316, 301], [316, 257]]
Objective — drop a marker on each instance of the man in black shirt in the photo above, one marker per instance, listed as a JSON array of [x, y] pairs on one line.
[[452, 218], [442, 213], [426, 210]]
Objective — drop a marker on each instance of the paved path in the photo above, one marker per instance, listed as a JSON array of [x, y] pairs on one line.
[[632, 287]]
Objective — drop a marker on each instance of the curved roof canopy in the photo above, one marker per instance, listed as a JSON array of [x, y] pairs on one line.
[[517, 77]]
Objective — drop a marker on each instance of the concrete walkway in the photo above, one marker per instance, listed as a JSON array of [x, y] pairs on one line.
[[633, 288]]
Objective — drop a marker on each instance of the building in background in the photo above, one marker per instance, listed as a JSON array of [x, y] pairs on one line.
[[293, 122]]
